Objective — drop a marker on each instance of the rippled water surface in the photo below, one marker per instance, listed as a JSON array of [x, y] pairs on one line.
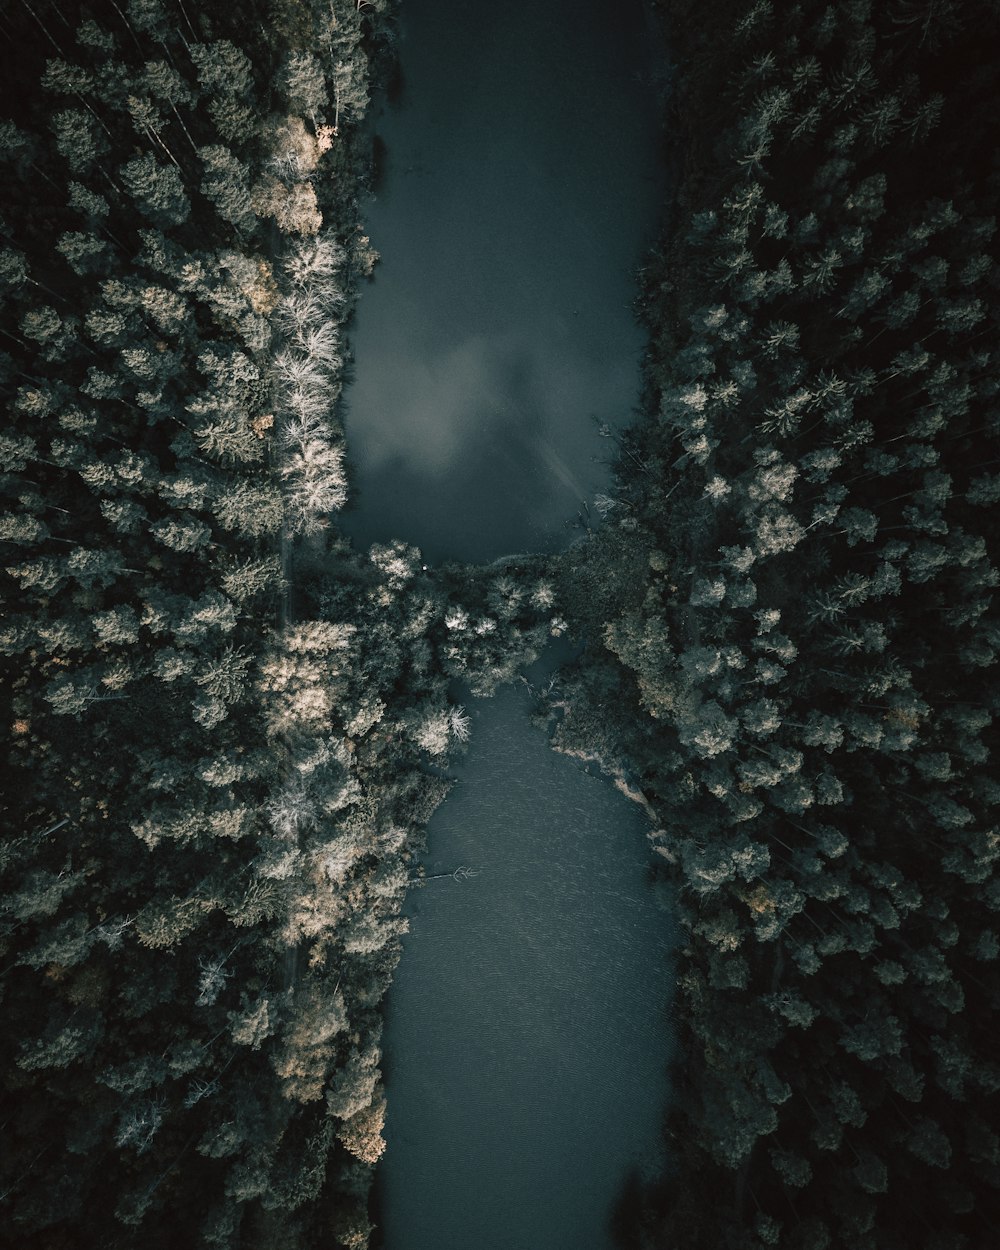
[[527, 1032]]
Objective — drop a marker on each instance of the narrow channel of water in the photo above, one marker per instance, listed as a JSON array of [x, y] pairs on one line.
[[527, 1031]]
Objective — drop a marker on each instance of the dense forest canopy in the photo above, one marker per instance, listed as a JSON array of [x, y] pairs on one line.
[[805, 673], [205, 844], [227, 729]]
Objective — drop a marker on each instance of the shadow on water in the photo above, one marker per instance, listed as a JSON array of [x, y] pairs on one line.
[[379, 164], [395, 85], [626, 1222], [645, 1204]]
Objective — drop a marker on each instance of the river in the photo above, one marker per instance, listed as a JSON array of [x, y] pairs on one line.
[[527, 1031]]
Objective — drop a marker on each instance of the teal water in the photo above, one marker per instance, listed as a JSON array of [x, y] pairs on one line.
[[527, 1031], [520, 191]]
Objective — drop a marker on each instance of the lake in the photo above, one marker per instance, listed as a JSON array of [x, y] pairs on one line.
[[520, 190]]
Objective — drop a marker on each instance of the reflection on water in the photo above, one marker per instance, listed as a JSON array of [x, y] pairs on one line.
[[437, 398], [514, 204]]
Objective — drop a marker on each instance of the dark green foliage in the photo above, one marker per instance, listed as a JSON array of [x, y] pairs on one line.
[[805, 669], [789, 617], [203, 860]]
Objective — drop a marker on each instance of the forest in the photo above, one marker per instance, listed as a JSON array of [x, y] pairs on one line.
[[207, 811], [227, 729], [802, 680]]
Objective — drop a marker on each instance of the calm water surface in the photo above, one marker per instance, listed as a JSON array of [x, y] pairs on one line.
[[527, 1030], [519, 195]]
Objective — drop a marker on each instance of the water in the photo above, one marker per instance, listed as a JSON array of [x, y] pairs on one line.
[[520, 192], [527, 1031], [526, 1036]]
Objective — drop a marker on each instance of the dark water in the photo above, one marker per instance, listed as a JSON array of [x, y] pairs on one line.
[[520, 191], [527, 1030]]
